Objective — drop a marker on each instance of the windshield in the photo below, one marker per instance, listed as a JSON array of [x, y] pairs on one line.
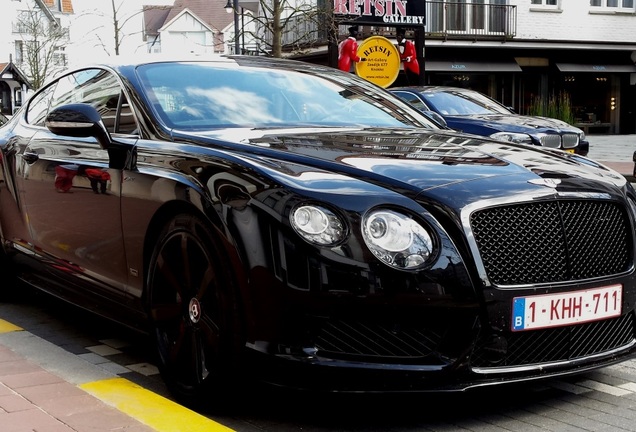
[[200, 96], [450, 102]]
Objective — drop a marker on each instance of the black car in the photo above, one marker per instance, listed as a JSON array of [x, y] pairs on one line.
[[473, 112], [298, 225]]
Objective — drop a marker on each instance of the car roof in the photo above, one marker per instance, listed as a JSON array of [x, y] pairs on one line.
[[123, 64], [432, 89], [127, 60], [142, 59]]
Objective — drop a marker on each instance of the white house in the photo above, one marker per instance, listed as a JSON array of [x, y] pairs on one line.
[[17, 36], [188, 26]]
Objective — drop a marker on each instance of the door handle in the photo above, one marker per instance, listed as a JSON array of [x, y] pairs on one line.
[[30, 157]]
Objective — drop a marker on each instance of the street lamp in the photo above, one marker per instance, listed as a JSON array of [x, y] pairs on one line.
[[232, 6]]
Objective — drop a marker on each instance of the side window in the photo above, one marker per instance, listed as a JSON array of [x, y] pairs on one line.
[[126, 120], [39, 106], [100, 89], [413, 100]]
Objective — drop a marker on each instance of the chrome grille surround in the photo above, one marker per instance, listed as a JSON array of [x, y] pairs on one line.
[[551, 141], [570, 140], [551, 240], [541, 241]]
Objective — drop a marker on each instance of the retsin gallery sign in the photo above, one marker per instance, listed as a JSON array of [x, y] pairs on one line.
[[381, 12], [382, 63]]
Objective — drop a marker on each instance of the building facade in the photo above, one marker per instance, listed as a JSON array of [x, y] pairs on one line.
[[198, 26], [526, 52], [33, 38]]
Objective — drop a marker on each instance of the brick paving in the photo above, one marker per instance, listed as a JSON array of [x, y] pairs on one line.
[[35, 400]]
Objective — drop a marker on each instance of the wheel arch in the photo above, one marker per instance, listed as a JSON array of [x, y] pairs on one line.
[[222, 242], [199, 242]]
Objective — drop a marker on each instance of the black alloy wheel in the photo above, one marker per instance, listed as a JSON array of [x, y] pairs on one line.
[[192, 306]]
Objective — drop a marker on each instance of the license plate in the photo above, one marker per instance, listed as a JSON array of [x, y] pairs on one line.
[[553, 310], [569, 150]]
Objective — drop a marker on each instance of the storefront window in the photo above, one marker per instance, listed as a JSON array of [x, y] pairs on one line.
[[592, 106]]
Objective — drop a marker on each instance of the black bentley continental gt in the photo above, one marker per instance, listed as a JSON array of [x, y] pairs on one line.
[[305, 226]]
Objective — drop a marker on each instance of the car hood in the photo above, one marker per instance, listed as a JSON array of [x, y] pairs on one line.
[[414, 161], [514, 123]]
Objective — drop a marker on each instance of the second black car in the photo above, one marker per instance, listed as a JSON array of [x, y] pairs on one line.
[[473, 112]]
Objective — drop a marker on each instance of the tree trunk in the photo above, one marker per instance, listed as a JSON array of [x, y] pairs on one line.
[[277, 30]]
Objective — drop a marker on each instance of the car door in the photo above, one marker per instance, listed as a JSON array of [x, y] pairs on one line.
[[71, 196]]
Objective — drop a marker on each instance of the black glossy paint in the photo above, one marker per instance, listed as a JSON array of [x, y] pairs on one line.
[[81, 217]]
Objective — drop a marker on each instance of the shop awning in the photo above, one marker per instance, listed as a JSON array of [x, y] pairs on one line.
[[597, 68], [471, 66]]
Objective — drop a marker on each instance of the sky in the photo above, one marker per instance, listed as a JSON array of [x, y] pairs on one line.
[[92, 29]]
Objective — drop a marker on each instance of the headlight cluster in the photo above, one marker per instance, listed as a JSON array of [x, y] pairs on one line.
[[317, 225], [394, 238], [520, 138]]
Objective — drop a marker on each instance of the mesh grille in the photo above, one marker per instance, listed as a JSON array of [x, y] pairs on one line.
[[552, 241], [559, 344], [376, 340]]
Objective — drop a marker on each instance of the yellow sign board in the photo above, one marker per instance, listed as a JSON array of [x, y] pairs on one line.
[[382, 64]]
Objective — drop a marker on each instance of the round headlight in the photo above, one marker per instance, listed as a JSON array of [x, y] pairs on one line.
[[317, 225], [396, 239], [389, 231], [311, 220]]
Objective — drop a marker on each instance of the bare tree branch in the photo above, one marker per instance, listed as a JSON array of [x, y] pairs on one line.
[[118, 22], [41, 42], [282, 23]]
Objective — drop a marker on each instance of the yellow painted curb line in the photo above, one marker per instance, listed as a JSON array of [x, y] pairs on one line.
[[6, 327], [149, 408]]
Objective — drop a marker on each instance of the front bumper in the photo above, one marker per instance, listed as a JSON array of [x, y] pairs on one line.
[[313, 372], [583, 148]]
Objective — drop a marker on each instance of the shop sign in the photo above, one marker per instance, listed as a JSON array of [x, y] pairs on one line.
[[382, 64], [373, 12]]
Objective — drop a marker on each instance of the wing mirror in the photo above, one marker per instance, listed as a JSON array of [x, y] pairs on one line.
[[79, 121]]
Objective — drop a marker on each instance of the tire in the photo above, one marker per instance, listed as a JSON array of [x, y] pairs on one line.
[[193, 312]]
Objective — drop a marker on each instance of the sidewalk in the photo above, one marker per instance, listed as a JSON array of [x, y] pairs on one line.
[[35, 399], [45, 388], [614, 151]]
